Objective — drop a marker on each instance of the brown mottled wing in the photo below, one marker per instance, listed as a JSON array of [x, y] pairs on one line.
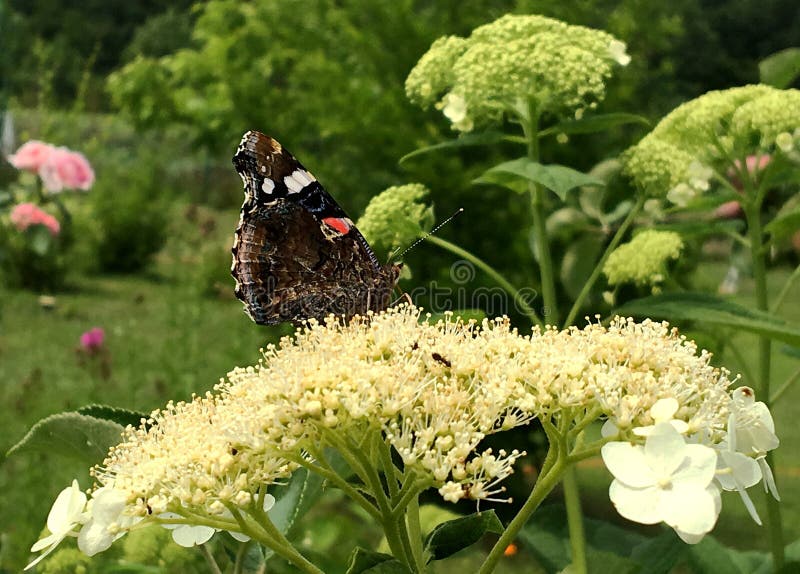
[[296, 254]]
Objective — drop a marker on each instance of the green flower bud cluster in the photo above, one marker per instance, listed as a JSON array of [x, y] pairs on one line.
[[677, 159], [643, 260], [396, 217], [515, 59]]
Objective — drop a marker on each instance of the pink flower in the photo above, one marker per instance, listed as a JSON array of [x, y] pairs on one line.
[[31, 156], [25, 215], [754, 163], [728, 210], [93, 339], [66, 169]]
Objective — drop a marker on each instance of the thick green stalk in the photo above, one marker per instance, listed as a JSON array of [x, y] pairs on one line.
[[544, 485], [212, 564], [531, 127], [758, 257], [577, 535], [519, 300], [587, 287]]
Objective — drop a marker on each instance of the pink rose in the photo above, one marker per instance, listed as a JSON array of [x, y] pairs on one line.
[[66, 169], [31, 156], [25, 215], [93, 339]]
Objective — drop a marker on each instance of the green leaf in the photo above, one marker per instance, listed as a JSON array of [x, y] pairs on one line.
[[367, 562], [454, 535], [557, 178], [784, 225], [713, 310], [117, 415], [40, 239], [661, 554], [502, 179], [608, 546], [467, 140], [579, 261], [594, 123], [72, 434], [711, 557], [781, 68], [699, 229]]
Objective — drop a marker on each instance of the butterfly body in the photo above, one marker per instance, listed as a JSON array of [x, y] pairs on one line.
[[296, 253]]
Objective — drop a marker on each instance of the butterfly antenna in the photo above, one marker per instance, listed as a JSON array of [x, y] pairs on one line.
[[458, 212]]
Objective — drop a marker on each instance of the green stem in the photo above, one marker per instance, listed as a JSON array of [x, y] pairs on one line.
[[212, 564], [758, 256], [388, 466], [544, 485], [238, 566], [577, 535], [587, 287], [272, 538], [776, 305], [415, 530], [519, 300], [531, 128]]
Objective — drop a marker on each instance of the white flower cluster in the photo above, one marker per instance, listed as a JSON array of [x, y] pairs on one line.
[[432, 392], [675, 477]]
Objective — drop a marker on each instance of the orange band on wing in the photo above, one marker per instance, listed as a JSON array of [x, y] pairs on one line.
[[340, 224]]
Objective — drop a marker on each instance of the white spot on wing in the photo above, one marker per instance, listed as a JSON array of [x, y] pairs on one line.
[[298, 180], [268, 186]]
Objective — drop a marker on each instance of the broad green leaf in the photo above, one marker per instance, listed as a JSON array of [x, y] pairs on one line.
[[781, 68], [40, 239], [784, 225], [791, 351], [698, 229], [72, 434], [546, 536], [502, 179], [557, 178], [467, 140], [711, 557], [594, 123], [661, 554], [117, 415], [450, 537], [579, 261], [713, 310], [591, 198], [367, 562]]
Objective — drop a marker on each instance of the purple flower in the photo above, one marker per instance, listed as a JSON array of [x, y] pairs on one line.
[[93, 339]]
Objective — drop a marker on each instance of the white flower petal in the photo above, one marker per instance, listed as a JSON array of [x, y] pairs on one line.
[[269, 502], [691, 510], [627, 463], [238, 536], [769, 478], [637, 504], [188, 536], [735, 470], [67, 509], [697, 469], [51, 540], [663, 409], [95, 537], [665, 450], [608, 429]]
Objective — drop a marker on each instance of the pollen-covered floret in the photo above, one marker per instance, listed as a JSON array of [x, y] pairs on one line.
[[643, 260], [515, 60]]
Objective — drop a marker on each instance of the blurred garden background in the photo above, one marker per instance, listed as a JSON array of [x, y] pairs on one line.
[[129, 302]]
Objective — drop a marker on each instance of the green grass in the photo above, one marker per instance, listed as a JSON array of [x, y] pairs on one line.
[[166, 340]]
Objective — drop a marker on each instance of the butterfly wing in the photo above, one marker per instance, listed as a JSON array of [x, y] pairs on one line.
[[296, 253]]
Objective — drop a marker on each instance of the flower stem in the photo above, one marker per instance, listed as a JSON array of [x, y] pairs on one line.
[[544, 485], [784, 387], [758, 256], [530, 126], [212, 564], [519, 300], [577, 535], [587, 287]]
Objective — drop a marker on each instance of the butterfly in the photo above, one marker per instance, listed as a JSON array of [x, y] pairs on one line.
[[296, 253]]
